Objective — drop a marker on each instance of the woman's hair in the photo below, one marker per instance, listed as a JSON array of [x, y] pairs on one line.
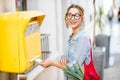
[[77, 7], [74, 6]]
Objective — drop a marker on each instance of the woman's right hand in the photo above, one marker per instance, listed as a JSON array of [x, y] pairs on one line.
[[46, 63], [63, 61]]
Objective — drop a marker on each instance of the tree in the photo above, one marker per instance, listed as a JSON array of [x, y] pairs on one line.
[[94, 21]]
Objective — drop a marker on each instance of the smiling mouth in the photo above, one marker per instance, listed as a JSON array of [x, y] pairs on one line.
[[73, 22]]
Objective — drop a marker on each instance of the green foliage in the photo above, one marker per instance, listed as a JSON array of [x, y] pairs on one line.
[[99, 19], [76, 74]]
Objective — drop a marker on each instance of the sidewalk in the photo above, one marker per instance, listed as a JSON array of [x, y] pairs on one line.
[[113, 71]]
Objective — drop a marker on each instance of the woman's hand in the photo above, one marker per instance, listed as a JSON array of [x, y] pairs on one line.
[[63, 61], [46, 63]]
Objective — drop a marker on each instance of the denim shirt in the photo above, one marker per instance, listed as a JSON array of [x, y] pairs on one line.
[[78, 49]]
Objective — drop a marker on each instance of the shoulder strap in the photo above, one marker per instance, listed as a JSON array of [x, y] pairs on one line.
[[90, 49]]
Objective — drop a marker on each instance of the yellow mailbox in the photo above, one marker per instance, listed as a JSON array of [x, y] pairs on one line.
[[20, 40]]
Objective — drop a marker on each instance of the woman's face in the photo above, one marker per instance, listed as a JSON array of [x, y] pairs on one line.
[[74, 18]]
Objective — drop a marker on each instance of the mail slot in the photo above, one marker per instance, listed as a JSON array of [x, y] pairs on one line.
[[20, 40]]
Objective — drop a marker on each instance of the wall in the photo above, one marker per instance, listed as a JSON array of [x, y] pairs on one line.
[[7, 6], [2, 6], [10, 6], [53, 24], [49, 23]]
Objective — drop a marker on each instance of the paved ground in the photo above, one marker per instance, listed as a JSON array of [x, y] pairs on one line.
[[113, 71]]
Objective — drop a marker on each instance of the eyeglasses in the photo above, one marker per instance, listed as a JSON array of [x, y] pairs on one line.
[[76, 16]]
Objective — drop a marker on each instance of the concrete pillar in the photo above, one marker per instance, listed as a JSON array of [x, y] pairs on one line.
[[104, 41], [98, 57]]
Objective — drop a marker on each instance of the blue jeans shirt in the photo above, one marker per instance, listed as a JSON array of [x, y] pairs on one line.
[[78, 49]]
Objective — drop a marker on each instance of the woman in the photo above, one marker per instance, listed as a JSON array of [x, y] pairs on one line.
[[78, 45]]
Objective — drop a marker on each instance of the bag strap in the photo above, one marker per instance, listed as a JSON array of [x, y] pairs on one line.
[[90, 49], [90, 52]]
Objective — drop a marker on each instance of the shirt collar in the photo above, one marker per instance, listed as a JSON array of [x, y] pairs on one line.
[[77, 36]]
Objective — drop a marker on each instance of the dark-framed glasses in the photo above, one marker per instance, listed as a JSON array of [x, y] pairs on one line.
[[76, 16]]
